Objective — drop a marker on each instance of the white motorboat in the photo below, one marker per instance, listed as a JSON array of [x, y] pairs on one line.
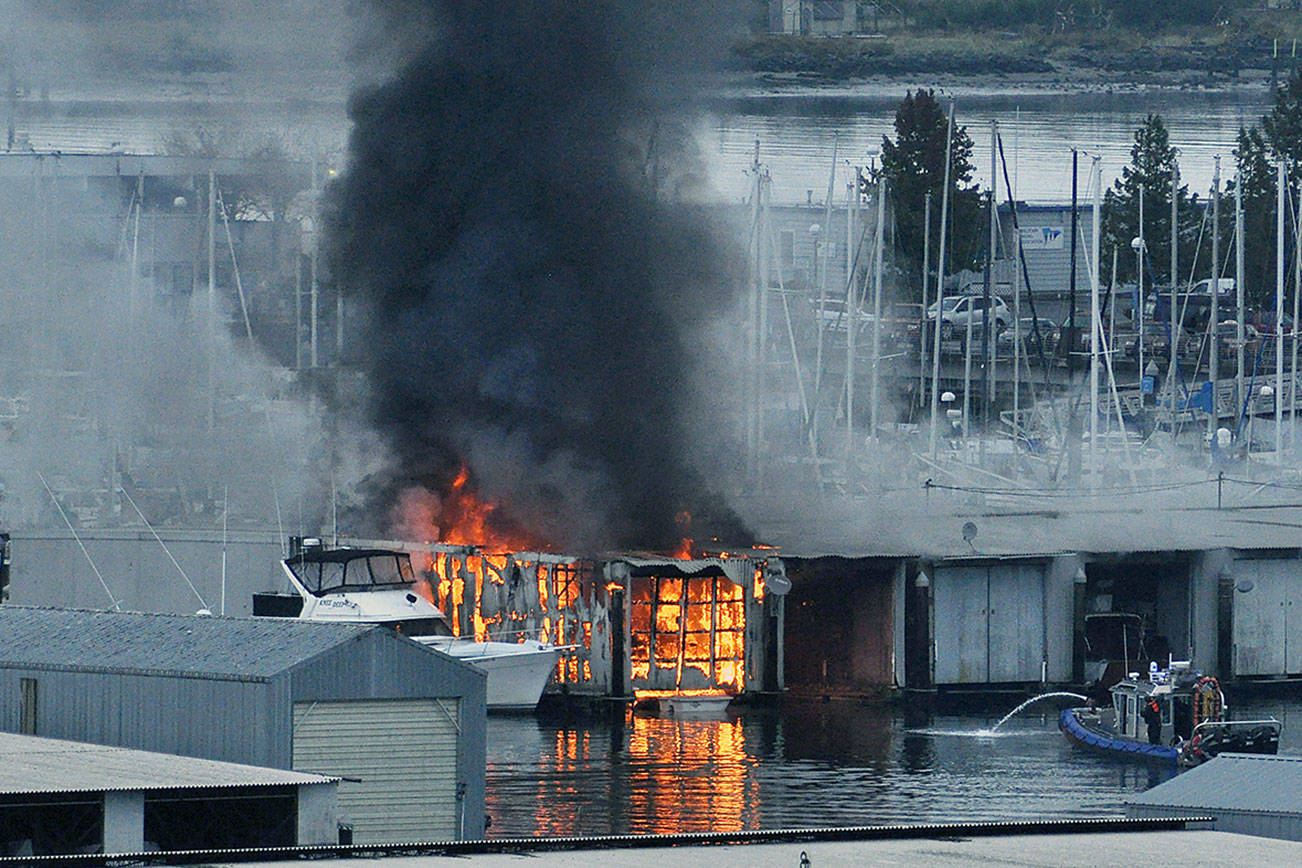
[[379, 586]]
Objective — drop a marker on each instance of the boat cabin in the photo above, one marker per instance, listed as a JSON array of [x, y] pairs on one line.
[[1173, 692], [350, 570], [352, 580]]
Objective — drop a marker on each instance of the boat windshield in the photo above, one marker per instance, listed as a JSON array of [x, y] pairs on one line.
[[421, 627], [371, 571]]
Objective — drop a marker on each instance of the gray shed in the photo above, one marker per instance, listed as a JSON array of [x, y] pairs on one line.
[[1246, 793], [401, 724], [65, 797]]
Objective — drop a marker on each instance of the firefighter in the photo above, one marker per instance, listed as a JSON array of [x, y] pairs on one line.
[[1152, 714]]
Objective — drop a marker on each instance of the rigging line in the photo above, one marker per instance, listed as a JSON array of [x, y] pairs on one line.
[[786, 311], [235, 266], [164, 545], [117, 605], [1044, 492], [1026, 278]]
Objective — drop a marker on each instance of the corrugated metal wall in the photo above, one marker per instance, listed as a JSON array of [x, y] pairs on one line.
[[250, 721], [210, 718], [1265, 825], [50, 569]]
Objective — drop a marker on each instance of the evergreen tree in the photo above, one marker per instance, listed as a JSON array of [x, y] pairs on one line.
[[1256, 174], [1283, 126], [1279, 136], [1152, 164], [914, 165]]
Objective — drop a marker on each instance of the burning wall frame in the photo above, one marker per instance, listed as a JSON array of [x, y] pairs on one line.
[[711, 622]]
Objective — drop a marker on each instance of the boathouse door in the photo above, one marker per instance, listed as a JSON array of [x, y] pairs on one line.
[[1267, 623], [989, 623]]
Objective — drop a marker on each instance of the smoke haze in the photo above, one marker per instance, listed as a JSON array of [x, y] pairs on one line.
[[531, 310]]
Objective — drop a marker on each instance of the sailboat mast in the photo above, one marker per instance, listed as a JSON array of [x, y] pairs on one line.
[[1095, 325], [940, 285], [873, 396], [1213, 363], [1238, 292], [1279, 306], [1173, 344], [926, 267]]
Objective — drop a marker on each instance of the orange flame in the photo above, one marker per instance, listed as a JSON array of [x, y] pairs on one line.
[[684, 521], [459, 517]]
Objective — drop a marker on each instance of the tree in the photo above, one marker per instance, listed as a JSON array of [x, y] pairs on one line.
[[1283, 125], [914, 165], [1279, 136], [1256, 176], [1152, 165]]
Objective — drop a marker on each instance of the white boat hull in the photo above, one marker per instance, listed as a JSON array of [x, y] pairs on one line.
[[517, 673], [711, 706]]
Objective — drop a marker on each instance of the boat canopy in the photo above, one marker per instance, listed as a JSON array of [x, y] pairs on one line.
[[335, 570]]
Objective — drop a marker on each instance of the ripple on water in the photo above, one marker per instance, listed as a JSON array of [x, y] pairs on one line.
[[820, 765]]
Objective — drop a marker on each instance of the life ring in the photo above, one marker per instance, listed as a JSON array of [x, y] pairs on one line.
[[1208, 702]]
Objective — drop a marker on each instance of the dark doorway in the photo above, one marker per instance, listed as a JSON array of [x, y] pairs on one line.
[[840, 625], [199, 819], [1136, 611]]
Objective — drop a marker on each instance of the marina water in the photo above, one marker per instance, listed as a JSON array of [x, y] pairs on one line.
[[809, 764]]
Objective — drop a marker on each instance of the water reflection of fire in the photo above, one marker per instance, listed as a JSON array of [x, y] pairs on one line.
[[689, 776]]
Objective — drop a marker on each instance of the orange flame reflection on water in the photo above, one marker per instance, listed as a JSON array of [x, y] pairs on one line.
[[689, 776]]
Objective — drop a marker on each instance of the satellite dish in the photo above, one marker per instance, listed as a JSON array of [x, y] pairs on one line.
[[969, 531], [1244, 586]]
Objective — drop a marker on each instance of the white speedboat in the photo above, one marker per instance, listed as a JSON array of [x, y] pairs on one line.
[[379, 586]]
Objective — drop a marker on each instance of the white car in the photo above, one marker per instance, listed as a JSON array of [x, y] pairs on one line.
[[957, 310]]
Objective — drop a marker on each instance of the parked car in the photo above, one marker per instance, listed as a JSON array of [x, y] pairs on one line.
[[957, 310], [1227, 334], [1264, 321], [831, 313], [1026, 329]]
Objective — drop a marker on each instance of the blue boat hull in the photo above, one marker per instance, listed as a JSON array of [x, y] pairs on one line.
[[1108, 743]]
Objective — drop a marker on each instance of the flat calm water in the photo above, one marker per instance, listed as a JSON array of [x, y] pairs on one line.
[[808, 765], [799, 135]]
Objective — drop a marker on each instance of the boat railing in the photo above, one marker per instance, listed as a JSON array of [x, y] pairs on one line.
[[1235, 724]]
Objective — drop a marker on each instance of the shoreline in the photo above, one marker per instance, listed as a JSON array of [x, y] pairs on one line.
[[1191, 84]]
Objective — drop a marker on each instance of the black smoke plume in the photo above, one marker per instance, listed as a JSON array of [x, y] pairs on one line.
[[531, 308]]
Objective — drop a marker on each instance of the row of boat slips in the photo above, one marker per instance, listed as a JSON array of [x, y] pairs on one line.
[[881, 594]]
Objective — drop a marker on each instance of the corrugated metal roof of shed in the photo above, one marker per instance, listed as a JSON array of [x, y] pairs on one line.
[[181, 645], [29, 764], [1234, 782]]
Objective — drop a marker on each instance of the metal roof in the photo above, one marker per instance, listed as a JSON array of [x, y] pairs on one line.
[[1233, 782], [29, 764], [192, 646], [908, 523]]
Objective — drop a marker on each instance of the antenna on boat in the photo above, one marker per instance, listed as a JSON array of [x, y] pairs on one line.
[[203, 607], [117, 605]]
